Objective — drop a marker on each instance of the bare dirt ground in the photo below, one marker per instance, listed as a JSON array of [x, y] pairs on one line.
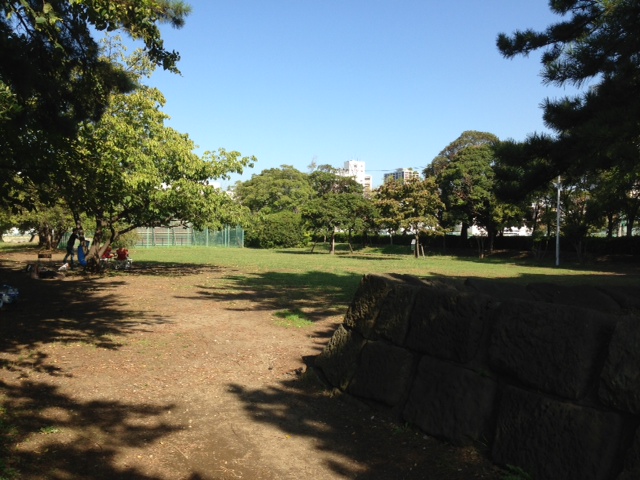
[[167, 372]]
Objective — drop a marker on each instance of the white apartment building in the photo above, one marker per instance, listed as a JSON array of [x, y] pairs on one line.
[[356, 170], [401, 174]]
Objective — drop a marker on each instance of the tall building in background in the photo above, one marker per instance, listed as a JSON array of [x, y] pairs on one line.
[[401, 174], [355, 169]]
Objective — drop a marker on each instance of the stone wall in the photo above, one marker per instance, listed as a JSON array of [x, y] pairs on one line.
[[547, 376]]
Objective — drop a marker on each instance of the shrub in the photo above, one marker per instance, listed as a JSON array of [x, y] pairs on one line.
[[276, 230]]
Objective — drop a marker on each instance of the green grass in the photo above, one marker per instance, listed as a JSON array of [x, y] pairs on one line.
[[290, 319], [279, 267]]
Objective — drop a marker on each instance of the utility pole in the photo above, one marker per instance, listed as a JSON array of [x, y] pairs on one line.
[[559, 187]]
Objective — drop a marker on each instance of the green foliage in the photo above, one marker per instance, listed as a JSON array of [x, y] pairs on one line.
[[53, 77], [130, 170], [325, 180], [276, 230], [594, 42], [412, 205], [126, 240], [275, 190]]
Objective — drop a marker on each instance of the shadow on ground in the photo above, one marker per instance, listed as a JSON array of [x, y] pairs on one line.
[[356, 440], [93, 434], [86, 436], [317, 294]]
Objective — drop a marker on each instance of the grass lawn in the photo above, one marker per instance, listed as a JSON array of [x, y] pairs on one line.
[[343, 271]]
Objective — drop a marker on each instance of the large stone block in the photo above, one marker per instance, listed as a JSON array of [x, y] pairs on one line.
[[631, 470], [339, 358], [452, 402], [583, 296], [620, 379], [498, 289], [628, 297], [554, 440], [554, 348], [392, 322], [365, 306], [384, 373], [448, 324]]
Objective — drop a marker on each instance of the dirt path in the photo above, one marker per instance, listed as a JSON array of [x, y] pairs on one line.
[[173, 373]]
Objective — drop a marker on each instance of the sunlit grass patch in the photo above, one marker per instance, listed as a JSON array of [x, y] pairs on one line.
[[291, 319]]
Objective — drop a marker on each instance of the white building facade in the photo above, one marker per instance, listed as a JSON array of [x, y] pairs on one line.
[[401, 174], [356, 170]]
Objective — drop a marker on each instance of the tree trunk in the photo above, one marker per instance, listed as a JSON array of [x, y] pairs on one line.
[[492, 236], [333, 243], [480, 243], [45, 237], [630, 223], [463, 232], [610, 225]]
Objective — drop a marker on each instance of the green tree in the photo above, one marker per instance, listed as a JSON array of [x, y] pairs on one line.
[[440, 170], [337, 203], [274, 198], [325, 180], [130, 170], [52, 77], [415, 204], [325, 215], [275, 190], [580, 213], [596, 44], [284, 229], [468, 189]]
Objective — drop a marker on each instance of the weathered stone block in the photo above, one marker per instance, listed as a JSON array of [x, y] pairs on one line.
[[384, 373], [499, 290], [448, 324], [554, 348], [584, 296], [393, 318], [451, 402], [550, 439], [631, 470], [339, 358], [620, 379], [627, 297], [363, 311]]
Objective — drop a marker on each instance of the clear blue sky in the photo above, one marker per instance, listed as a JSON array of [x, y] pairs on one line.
[[387, 82]]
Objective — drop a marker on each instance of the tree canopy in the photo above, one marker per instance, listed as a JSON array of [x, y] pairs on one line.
[[597, 45], [275, 190], [139, 172], [53, 78], [412, 205]]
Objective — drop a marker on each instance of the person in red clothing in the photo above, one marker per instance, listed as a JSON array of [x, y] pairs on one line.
[[122, 258]]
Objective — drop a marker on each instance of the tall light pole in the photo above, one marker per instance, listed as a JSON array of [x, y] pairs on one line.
[[559, 187]]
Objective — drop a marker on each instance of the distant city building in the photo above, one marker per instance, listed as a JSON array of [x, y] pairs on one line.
[[401, 174], [355, 169]]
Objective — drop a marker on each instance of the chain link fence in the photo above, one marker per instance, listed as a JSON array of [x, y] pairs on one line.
[[182, 237]]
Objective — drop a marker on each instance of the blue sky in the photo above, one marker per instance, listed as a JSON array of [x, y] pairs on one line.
[[387, 82]]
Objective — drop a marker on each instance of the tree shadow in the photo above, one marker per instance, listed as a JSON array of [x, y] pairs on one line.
[[82, 438], [317, 294], [66, 311], [358, 440], [82, 442]]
